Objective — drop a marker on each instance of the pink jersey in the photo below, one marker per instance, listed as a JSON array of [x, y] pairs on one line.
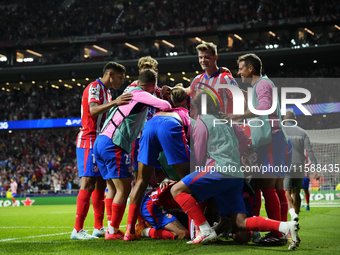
[[184, 114], [264, 91], [140, 100], [95, 92], [200, 81]]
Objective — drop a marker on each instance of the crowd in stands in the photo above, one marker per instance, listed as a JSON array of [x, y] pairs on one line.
[[42, 159], [53, 19]]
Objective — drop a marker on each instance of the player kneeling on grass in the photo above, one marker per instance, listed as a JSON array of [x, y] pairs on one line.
[[220, 175], [154, 209], [168, 132], [112, 146]]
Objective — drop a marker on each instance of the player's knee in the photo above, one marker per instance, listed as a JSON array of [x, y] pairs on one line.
[[88, 184]]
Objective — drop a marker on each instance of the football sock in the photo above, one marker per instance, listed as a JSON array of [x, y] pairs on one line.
[[108, 205], [258, 197], [307, 198], [145, 232], [161, 234], [273, 208], [191, 208], [262, 224], [83, 205], [284, 204], [132, 218], [98, 207], [141, 219], [117, 216]]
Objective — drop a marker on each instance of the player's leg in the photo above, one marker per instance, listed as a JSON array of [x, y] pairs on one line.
[[306, 189], [262, 224], [296, 195], [149, 149], [109, 199], [137, 194], [123, 188], [281, 193], [98, 203]]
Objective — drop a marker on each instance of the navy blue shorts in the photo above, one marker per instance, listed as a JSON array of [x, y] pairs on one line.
[[226, 191], [113, 161], [87, 165], [272, 157], [305, 183], [155, 215], [163, 133]]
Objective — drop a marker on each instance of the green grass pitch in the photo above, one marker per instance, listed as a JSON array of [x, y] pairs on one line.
[[46, 230]]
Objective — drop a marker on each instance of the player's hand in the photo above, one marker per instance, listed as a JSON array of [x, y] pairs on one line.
[[124, 99], [165, 183], [166, 90], [227, 116]]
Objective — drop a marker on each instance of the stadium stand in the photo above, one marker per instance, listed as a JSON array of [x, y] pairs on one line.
[[64, 33]]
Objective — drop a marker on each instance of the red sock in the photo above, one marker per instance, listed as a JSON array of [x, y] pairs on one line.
[[161, 234], [98, 204], [258, 202], [117, 214], [262, 224], [132, 217], [108, 205], [273, 208], [307, 198], [141, 219], [284, 204], [13, 200], [83, 205], [191, 208]]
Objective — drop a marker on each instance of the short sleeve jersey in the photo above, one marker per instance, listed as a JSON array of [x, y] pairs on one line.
[[95, 92], [202, 81]]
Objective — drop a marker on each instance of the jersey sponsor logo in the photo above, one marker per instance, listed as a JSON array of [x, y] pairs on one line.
[[3, 125]]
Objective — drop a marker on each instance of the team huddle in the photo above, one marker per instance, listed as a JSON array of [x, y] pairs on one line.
[[167, 138]]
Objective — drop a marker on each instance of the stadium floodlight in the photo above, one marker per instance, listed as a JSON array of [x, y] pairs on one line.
[[238, 37], [100, 48], [172, 79], [315, 61], [281, 64], [34, 53], [169, 44], [131, 46], [309, 31], [169, 74]]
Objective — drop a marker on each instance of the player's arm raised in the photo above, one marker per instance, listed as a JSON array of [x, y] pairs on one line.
[[97, 109]]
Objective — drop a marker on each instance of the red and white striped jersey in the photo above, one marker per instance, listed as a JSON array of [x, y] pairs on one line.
[[202, 80], [95, 92], [14, 187]]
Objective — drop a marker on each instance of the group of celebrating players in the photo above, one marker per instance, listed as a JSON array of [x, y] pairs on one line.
[[153, 127]]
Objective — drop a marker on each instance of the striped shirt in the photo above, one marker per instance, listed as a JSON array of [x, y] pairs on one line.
[[95, 92], [201, 80]]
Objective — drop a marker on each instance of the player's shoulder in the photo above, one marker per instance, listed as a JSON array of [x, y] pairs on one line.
[[198, 77]]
